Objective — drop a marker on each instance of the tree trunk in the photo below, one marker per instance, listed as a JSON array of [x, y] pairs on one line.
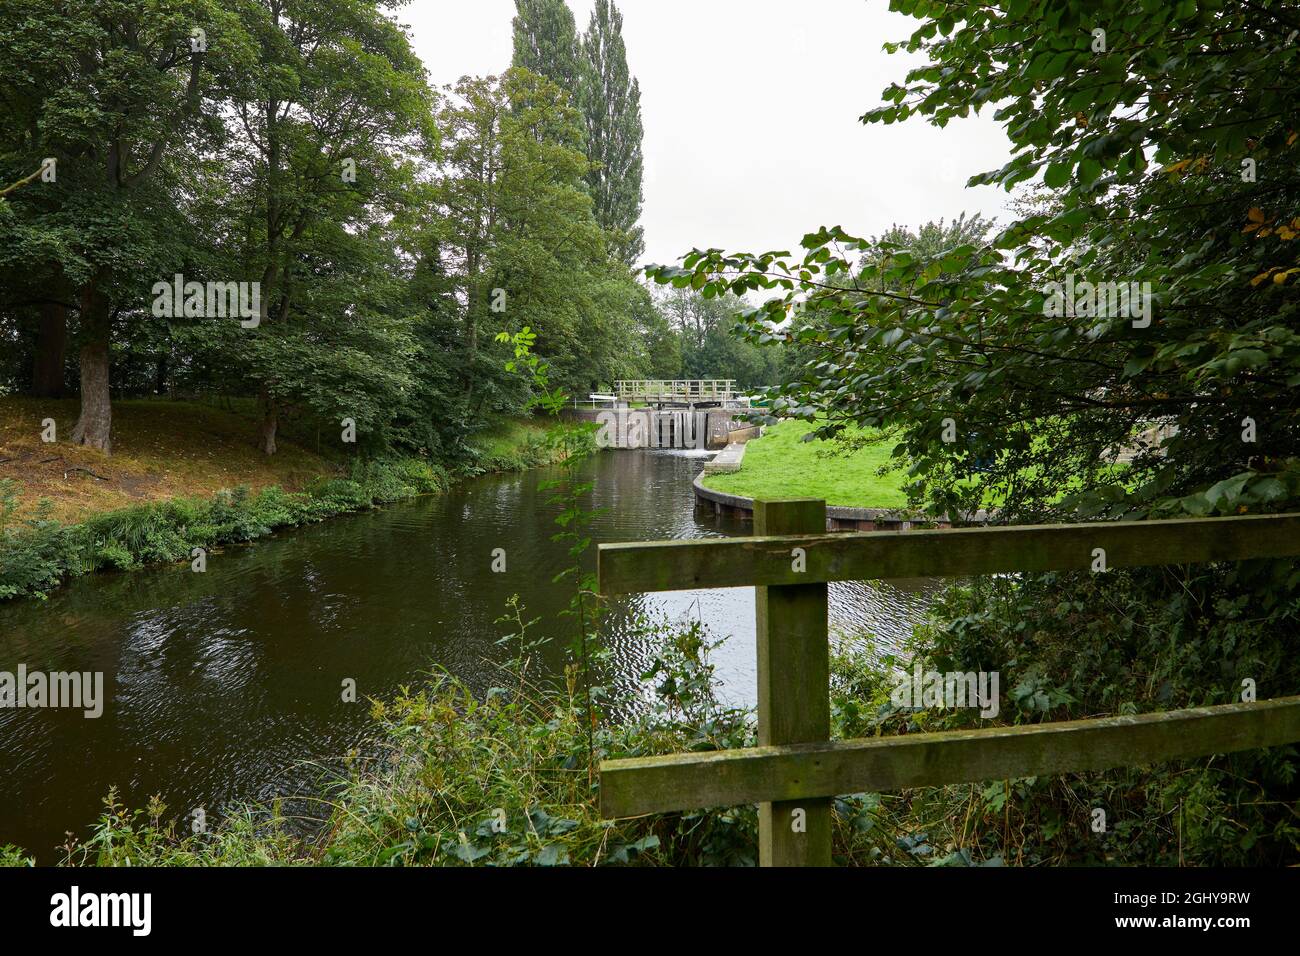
[[270, 422], [51, 351], [471, 324], [94, 427], [160, 369]]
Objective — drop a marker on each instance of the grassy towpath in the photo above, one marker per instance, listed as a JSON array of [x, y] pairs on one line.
[[781, 465]]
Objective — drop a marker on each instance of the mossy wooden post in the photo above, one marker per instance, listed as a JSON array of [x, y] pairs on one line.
[[793, 687]]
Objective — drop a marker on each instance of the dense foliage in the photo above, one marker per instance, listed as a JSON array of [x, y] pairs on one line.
[[1147, 140], [383, 231]]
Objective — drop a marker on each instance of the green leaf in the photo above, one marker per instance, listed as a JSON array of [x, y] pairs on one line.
[[1057, 175]]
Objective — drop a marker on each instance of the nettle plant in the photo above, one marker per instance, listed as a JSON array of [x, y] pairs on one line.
[[574, 519]]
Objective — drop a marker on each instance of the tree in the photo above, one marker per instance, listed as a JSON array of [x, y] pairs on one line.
[[111, 91], [710, 343], [517, 244], [328, 126], [661, 345], [930, 240], [546, 42], [610, 99]]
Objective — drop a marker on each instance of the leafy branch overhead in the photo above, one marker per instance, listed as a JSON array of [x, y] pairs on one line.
[[1165, 137]]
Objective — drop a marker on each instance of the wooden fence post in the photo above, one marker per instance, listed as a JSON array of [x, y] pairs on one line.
[[793, 687]]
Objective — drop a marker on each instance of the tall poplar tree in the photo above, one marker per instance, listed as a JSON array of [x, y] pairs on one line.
[[546, 42], [610, 100]]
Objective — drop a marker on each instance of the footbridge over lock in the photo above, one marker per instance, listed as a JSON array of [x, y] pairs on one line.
[[670, 413], [684, 393]]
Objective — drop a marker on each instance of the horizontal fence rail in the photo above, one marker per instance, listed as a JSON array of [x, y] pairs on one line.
[[668, 389], [796, 769], [950, 552], [729, 777]]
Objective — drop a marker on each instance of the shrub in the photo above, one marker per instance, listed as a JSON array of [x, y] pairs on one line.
[[1070, 646]]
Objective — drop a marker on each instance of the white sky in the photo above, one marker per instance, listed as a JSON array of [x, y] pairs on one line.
[[751, 115]]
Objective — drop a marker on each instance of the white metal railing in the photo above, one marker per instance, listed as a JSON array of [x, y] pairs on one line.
[[711, 389]]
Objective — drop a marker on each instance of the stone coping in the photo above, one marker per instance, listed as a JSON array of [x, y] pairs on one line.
[[727, 460]]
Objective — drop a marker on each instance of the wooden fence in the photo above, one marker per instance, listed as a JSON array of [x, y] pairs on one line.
[[795, 770]]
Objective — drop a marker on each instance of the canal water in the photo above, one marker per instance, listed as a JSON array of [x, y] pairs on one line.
[[225, 687]]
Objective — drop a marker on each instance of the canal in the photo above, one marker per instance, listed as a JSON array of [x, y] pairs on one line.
[[226, 687]]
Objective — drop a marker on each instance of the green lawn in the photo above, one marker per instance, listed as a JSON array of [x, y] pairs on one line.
[[780, 465]]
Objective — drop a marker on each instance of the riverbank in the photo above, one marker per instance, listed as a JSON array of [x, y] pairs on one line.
[[503, 780], [162, 450], [780, 464], [185, 476], [838, 517], [510, 779]]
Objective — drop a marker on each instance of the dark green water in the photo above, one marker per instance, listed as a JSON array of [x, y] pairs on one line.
[[226, 687]]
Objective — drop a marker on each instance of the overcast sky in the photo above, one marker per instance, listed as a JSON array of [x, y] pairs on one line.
[[751, 115]]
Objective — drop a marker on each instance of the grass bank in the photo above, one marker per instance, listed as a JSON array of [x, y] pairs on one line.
[[185, 476], [161, 450], [781, 465]]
